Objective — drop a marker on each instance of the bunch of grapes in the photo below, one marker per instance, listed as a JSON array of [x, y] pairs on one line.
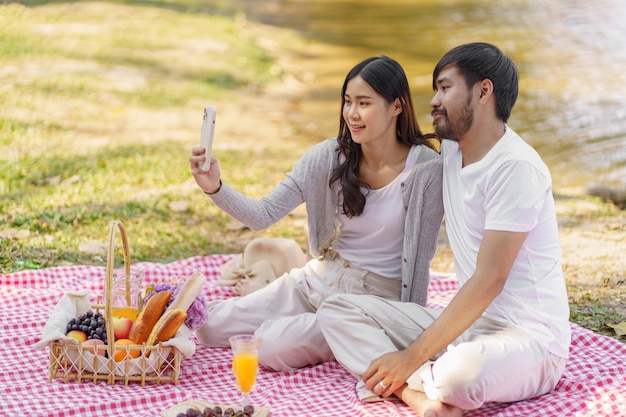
[[91, 323], [216, 411]]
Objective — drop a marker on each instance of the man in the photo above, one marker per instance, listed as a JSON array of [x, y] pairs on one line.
[[505, 335]]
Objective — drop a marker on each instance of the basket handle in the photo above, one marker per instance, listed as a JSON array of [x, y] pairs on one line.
[[108, 283]]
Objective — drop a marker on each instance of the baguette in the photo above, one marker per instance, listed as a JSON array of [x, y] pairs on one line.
[[166, 327], [188, 292], [148, 317]]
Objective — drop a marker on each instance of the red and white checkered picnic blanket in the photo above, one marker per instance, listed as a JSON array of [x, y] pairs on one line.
[[594, 383]]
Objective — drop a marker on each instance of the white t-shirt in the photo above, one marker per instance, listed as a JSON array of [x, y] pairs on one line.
[[373, 241], [510, 189]]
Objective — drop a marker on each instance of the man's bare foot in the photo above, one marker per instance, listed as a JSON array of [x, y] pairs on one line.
[[427, 408], [238, 289]]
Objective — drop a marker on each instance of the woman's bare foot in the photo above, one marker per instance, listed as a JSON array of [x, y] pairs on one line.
[[427, 408]]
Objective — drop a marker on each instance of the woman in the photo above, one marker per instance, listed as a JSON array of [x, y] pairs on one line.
[[374, 207]]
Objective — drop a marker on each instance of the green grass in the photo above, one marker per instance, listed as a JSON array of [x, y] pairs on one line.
[[93, 94], [599, 317], [595, 316]]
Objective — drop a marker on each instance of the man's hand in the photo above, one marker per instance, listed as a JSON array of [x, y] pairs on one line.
[[389, 372]]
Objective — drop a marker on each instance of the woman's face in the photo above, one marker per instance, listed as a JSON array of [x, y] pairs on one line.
[[367, 114]]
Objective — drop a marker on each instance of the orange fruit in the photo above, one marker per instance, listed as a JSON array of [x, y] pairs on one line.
[[128, 312], [123, 350]]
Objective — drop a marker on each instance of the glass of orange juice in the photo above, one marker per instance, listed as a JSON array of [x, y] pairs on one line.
[[245, 363]]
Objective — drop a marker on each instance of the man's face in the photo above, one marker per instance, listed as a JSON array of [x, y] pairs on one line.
[[452, 112]]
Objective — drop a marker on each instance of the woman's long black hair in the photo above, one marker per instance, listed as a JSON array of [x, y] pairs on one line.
[[388, 79]]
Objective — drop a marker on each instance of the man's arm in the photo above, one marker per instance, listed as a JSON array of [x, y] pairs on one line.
[[496, 255]]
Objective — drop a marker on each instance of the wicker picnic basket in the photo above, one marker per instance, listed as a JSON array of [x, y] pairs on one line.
[[155, 364]]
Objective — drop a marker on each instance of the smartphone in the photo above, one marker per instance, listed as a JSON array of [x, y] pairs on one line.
[[206, 135]]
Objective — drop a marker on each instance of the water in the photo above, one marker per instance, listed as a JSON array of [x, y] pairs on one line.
[[571, 55]]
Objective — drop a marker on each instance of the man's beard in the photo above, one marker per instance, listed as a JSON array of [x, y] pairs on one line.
[[453, 130]]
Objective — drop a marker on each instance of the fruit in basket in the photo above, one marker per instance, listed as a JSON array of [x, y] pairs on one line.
[[78, 335], [121, 327], [92, 346], [90, 323], [123, 350]]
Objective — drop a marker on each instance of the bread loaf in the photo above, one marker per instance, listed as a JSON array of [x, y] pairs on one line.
[[166, 327], [148, 317], [188, 292]]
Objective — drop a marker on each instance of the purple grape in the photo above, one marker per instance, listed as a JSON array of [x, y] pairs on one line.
[[192, 412]]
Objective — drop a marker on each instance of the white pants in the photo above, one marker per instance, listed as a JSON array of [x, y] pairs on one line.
[[491, 361], [283, 314]]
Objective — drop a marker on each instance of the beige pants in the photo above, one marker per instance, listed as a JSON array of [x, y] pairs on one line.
[[283, 314], [491, 361]]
